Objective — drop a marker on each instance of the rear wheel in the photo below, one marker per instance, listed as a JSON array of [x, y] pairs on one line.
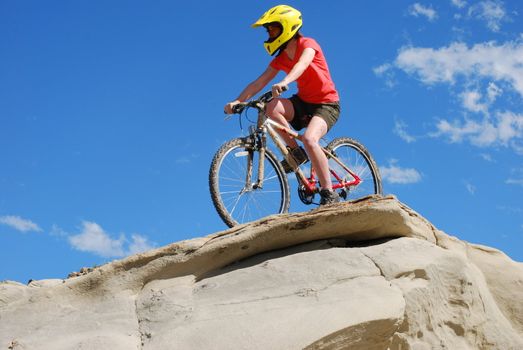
[[235, 190], [356, 157]]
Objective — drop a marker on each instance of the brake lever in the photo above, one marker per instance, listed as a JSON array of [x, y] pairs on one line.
[[239, 108], [268, 96]]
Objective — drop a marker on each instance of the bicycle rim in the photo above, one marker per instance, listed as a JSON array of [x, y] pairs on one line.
[[235, 195], [356, 157]]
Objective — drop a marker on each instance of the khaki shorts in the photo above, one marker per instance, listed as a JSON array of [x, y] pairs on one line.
[[304, 111]]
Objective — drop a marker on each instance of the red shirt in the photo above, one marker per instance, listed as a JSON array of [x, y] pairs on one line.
[[315, 85]]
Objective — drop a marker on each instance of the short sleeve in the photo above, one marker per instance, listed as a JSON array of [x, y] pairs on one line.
[[310, 43]]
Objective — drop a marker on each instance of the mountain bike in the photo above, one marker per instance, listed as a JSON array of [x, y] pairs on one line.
[[247, 181]]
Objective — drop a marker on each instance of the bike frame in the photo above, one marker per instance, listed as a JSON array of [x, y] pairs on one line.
[[269, 126]]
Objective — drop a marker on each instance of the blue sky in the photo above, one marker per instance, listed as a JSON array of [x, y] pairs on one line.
[[111, 111]]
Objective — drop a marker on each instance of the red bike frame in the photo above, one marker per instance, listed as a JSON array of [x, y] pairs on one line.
[[311, 184]]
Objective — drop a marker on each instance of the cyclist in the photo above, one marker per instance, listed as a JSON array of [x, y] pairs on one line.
[[315, 106]]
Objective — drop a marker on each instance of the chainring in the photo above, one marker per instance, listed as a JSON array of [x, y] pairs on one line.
[[305, 196]]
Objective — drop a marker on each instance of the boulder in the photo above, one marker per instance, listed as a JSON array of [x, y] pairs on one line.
[[370, 274]]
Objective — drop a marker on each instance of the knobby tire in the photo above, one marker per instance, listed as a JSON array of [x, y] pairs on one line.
[[357, 158], [237, 201]]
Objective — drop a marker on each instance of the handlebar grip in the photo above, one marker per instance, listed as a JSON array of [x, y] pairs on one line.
[[268, 95], [237, 109]]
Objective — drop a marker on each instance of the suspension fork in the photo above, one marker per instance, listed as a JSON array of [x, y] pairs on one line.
[[256, 142], [251, 141], [262, 142], [260, 138], [259, 142]]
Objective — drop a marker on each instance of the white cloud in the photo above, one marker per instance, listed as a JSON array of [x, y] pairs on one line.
[[513, 181], [470, 187], [400, 129], [418, 9], [493, 92], [516, 178], [94, 239], [510, 209], [510, 126], [57, 231], [459, 3], [486, 60], [397, 175], [456, 131], [471, 102], [20, 224], [486, 66], [517, 147], [380, 70], [487, 157], [474, 101], [490, 11], [503, 130], [386, 71], [139, 244]]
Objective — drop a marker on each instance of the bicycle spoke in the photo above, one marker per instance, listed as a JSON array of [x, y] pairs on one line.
[[356, 158], [239, 201]]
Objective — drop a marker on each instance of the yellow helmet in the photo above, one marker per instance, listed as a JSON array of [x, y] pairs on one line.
[[290, 20]]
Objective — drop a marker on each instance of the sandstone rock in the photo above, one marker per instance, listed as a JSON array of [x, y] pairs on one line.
[[372, 274]]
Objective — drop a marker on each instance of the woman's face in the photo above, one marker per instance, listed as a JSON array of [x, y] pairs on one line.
[[273, 29]]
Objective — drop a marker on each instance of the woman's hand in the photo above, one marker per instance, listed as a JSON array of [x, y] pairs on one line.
[[228, 109], [278, 88]]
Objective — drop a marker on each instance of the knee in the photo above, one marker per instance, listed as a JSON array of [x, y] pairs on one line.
[[309, 141], [274, 108]]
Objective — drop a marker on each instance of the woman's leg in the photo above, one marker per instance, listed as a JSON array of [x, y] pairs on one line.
[[281, 111], [316, 129]]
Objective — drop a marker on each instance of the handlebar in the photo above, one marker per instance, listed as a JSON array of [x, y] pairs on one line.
[[266, 97]]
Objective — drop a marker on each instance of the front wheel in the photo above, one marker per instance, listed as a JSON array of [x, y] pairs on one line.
[[356, 157], [236, 193]]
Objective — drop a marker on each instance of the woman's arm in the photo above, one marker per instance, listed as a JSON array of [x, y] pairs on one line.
[[258, 84], [253, 88], [304, 61]]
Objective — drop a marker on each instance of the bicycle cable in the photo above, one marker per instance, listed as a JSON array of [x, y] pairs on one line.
[[244, 114], [240, 120]]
